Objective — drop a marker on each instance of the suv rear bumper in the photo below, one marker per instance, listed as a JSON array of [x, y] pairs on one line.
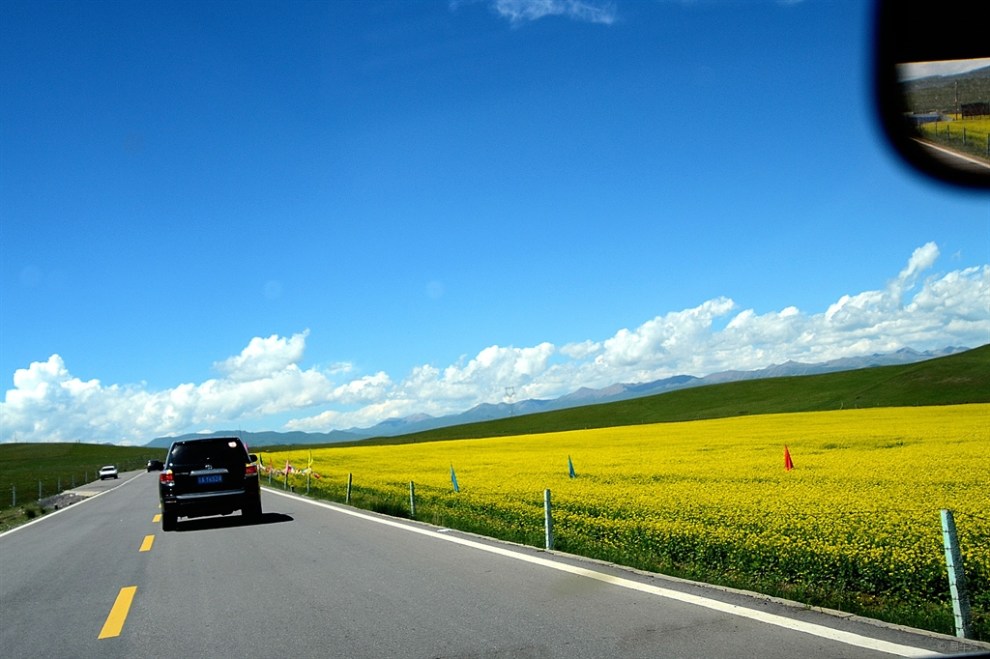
[[199, 504]]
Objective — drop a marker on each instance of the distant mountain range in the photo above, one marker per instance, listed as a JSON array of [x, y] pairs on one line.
[[581, 397], [943, 93]]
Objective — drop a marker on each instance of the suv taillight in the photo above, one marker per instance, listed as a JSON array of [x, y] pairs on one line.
[[251, 470], [166, 477]]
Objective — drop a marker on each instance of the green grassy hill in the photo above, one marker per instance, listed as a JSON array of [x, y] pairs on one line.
[[956, 379]]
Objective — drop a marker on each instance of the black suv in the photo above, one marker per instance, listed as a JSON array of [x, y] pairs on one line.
[[213, 476]]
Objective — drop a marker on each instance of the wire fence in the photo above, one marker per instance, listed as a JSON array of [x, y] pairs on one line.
[[35, 488], [958, 136]]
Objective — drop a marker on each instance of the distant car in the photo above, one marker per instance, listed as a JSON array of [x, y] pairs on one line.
[[154, 465], [108, 471], [213, 476]]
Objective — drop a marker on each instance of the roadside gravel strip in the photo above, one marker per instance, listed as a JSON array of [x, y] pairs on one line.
[[507, 550], [64, 499]]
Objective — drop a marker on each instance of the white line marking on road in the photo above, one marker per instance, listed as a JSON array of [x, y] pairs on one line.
[[86, 499], [820, 631], [957, 154]]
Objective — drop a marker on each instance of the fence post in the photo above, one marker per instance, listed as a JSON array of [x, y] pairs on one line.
[[39, 489], [347, 496], [13, 496], [412, 499], [547, 520], [957, 575]]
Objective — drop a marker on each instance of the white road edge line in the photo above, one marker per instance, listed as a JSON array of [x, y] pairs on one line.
[[86, 499], [820, 631], [961, 156]]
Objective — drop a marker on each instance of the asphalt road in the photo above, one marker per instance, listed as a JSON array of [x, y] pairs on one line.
[[953, 159], [100, 579]]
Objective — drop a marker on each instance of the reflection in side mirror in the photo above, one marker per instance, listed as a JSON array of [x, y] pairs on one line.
[[932, 81]]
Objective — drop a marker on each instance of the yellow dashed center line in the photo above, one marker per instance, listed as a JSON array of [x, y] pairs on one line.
[[118, 613], [122, 605]]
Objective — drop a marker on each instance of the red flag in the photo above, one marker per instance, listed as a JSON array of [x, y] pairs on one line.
[[788, 463]]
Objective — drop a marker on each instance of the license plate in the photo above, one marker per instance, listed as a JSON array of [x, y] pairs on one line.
[[206, 480]]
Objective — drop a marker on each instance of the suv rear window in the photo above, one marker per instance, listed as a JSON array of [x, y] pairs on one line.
[[219, 452]]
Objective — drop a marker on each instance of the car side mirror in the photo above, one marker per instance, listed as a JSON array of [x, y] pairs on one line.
[[932, 87], [252, 457]]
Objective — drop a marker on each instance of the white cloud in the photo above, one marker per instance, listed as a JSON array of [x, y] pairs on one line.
[[921, 259], [672, 337], [580, 350], [318, 423], [364, 389], [519, 11], [915, 70], [262, 357], [915, 309]]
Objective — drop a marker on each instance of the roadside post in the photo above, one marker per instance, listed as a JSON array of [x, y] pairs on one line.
[[957, 576], [547, 520]]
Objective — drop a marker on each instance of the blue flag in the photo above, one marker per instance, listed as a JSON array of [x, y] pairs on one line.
[[570, 467], [453, 479]]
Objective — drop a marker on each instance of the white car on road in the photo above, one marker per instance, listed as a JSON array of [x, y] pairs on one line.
[[108, 471]]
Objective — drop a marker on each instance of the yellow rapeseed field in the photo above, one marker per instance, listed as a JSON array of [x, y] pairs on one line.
[[858, 513]]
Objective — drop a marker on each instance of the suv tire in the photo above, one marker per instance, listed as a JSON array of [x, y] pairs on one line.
[[252, 508], [169, 521]]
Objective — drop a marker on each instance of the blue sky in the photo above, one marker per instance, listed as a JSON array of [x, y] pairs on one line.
[[319, 215]]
